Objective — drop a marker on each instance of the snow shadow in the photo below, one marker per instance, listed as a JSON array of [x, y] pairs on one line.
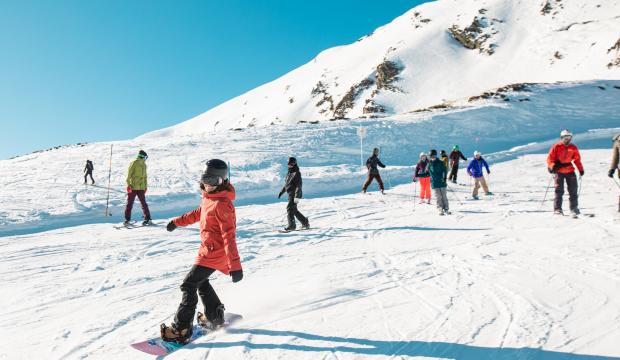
[[392, 348]]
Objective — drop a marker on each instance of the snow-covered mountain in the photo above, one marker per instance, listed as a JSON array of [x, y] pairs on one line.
[[438, 54]]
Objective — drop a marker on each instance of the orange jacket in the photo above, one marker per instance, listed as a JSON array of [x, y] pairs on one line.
[[565, 154], [218, 223]]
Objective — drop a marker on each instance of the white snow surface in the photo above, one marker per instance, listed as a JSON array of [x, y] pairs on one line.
[[501, 278], [574, 40]]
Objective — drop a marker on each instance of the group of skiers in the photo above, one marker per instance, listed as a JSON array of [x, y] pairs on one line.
[[217, 217]]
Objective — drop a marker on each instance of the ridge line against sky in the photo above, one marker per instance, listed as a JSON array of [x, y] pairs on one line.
[[75, 71]]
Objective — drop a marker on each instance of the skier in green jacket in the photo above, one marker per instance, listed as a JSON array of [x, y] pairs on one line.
[[137, 186]]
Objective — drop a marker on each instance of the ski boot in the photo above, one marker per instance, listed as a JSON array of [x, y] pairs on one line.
[[173, 334], [447, 212], [382, 192], [428, 201], [488, 193], [305, 226], [289, 229], [558, 212], [213, 324], [147, 222], [126, 223], [575, 213], [441, 213], [475, 197]]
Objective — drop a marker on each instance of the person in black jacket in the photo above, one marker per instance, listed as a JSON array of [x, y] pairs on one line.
[[373, 171], [88, 171], [292, 186], [455, 157]]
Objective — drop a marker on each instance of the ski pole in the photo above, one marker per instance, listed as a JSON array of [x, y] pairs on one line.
[[616, 182], [579, 191], [546, 191], [454, 193], [415, 190]]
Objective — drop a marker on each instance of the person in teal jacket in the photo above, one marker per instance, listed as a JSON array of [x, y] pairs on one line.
[[439, 171]]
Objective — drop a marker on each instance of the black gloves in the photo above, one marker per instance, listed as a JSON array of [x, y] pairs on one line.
[[280, 194], [236, 275], [171, 226], [581, 173], [611, 173], [551, 170]]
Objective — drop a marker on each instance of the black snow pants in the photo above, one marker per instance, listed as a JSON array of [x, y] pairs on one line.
[[571, 183], [453, 173], [89, 173], [196, 280], [292, 212]]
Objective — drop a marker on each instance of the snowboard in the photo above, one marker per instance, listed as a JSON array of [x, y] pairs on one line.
[[158, 347]]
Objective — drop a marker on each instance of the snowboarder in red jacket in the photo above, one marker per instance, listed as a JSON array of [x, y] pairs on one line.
[[218, 251], [560, 161]]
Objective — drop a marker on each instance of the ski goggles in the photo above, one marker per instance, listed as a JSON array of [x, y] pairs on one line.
[[211, 180]]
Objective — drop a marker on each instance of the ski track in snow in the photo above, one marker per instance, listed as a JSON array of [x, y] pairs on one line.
[[501, 278]]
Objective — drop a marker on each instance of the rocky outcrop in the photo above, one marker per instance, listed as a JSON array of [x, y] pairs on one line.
[[614, 62], [348, 101], [373, 108], [551, 7], [501, 93], [326, 102], [387, 74], [476, 36]]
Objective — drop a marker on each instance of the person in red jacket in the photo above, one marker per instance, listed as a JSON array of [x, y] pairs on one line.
[[560, 161], [218, 251]]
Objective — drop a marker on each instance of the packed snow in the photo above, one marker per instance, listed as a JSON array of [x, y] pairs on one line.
[[376, 276], [501, 278]]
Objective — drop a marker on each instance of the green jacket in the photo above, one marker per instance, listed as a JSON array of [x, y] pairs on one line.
[[439, 172], [136, 175]]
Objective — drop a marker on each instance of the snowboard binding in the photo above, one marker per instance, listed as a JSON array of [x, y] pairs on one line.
[[172, 334]]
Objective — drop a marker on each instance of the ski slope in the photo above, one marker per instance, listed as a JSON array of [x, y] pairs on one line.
[[44, 191], [501, 278]]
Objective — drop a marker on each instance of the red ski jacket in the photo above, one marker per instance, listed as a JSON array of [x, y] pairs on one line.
[[564, 155], [218, 224]]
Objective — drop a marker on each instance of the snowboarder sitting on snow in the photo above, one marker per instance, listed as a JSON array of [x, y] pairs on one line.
[[422, 174], [437, 170], [136, 186], [560, 164], [88, 171], [372, 164], [218, 251], [455, 156], [615, 161], [292, 186], [444, 157], [475, 169]]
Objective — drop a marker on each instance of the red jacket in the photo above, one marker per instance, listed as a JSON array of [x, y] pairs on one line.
[[218, 223], [566, 155]]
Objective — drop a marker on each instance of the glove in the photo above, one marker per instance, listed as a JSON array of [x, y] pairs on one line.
[[611, 173], [296, 200], [145, 190], [415, 179], [236, 275], [280, 194], [551, 170], [128, 189], [581, 173], [488, 172], [171, 226]]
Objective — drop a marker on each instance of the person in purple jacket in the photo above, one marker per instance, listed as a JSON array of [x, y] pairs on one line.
[[475, 170]]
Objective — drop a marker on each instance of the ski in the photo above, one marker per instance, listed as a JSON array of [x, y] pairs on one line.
[[131, 225], [284, 231], [158, 347]]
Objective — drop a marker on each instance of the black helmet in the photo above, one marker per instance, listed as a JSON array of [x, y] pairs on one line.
[[292, 161], [215, 173], [433, 152], [375, 151], [142, 154]]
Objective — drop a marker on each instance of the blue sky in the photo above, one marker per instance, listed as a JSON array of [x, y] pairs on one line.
[[84, 71]]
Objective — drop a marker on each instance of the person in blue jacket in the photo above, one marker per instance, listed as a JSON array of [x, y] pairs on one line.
[[475, 170]]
